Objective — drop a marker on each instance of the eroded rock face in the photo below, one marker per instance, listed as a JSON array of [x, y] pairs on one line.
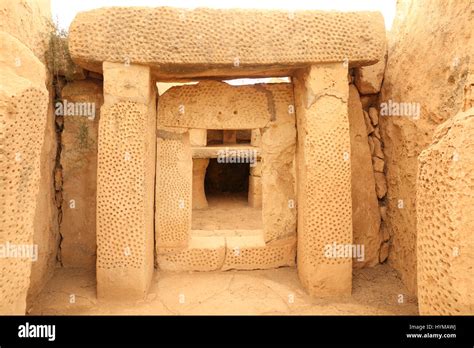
[[445, 217], [435, 81], [29, 21], [365, 207], [278, 144]]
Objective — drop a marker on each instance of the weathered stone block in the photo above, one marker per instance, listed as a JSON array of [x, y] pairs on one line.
[[368, 79], [324, 179], [174, 178], [198, 137], [125, 185], [196, 106], [365, 207], [241, 45], [23, 114], [255, 191], [445, 219]]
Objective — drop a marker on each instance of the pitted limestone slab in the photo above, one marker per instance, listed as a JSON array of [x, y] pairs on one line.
[[215, 105], [211, 250], [23, 114], [251, 252], [212, 42], [445, 219], [125, 185], [324, 180], [173, 197], [202, 254]]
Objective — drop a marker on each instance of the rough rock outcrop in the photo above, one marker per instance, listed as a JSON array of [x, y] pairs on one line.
[[428, 56]]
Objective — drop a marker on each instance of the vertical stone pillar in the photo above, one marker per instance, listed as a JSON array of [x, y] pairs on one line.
[[174, 178], [198, 137], [199, 174], [277, 142], [255, 191], [125, 182], [255, 178], [324, 180]]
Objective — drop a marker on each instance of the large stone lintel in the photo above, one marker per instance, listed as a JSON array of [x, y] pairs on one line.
[[217, 42]]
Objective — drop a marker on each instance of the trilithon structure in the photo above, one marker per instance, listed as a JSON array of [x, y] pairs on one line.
[[293, 136]]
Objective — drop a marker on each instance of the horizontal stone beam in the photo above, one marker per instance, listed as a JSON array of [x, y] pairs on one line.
[[216, 105], [238, 152], [216, 42]]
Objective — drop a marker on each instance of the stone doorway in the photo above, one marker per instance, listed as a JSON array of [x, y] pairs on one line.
[[226, 146], [315, 102], [227, 205]]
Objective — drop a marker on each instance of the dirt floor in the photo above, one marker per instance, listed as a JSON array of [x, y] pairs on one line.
[[226, 212], [376, 291]]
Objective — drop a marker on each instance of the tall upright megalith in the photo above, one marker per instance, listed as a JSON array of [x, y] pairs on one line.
[[324, 179], [125, 182]]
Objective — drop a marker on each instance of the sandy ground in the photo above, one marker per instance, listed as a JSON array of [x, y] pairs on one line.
[[376, 291]]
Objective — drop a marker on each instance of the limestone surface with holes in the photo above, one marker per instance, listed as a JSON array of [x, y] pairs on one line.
[[324, 215], [445, 219], [23, 113], [125, 182], [216, 42]]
